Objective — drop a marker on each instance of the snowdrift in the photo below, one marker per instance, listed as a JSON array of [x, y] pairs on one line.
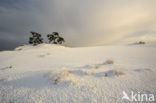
[[56, 74]]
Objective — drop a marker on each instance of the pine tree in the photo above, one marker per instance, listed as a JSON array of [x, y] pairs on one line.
[[35, 39], [55, 38]]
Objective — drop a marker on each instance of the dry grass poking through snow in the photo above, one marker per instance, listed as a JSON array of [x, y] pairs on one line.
[[10, 67], [120, 73], [63, 76], [110, 62], [113, 73]]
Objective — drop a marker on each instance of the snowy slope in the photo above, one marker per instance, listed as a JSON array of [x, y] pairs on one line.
[[55, 74]]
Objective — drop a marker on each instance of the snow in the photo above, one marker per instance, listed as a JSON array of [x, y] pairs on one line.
[[56, 74]]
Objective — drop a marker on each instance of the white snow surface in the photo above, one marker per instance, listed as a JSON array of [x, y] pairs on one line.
[[55, 74]]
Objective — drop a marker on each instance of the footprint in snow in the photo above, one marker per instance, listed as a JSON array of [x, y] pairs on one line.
[[110, 73], [97, 66], [44, 55], [142, 70]]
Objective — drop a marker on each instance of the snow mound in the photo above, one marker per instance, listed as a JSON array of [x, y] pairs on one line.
[[50, 73], [40, 46], [62, 77]]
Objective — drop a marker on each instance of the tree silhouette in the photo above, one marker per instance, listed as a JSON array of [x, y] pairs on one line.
[[55, 38], [35, 39]]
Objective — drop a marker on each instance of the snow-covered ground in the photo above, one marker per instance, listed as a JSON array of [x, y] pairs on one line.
[[55, 74]]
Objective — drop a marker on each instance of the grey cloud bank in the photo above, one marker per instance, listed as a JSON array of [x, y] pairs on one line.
[[80, 22]]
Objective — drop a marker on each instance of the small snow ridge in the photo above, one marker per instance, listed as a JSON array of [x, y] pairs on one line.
[[97, 66], [6, 68], [83, 72]]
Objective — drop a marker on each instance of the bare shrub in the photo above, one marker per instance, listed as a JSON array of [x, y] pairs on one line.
[[110, 62], [10, 67], [119, 73], [141, 42], [48, 54]]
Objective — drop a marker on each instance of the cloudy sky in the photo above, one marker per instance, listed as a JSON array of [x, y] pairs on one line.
[[80, 22]]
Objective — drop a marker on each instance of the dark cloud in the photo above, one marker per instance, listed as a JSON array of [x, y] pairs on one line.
[[81, 22], [8, 45]]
